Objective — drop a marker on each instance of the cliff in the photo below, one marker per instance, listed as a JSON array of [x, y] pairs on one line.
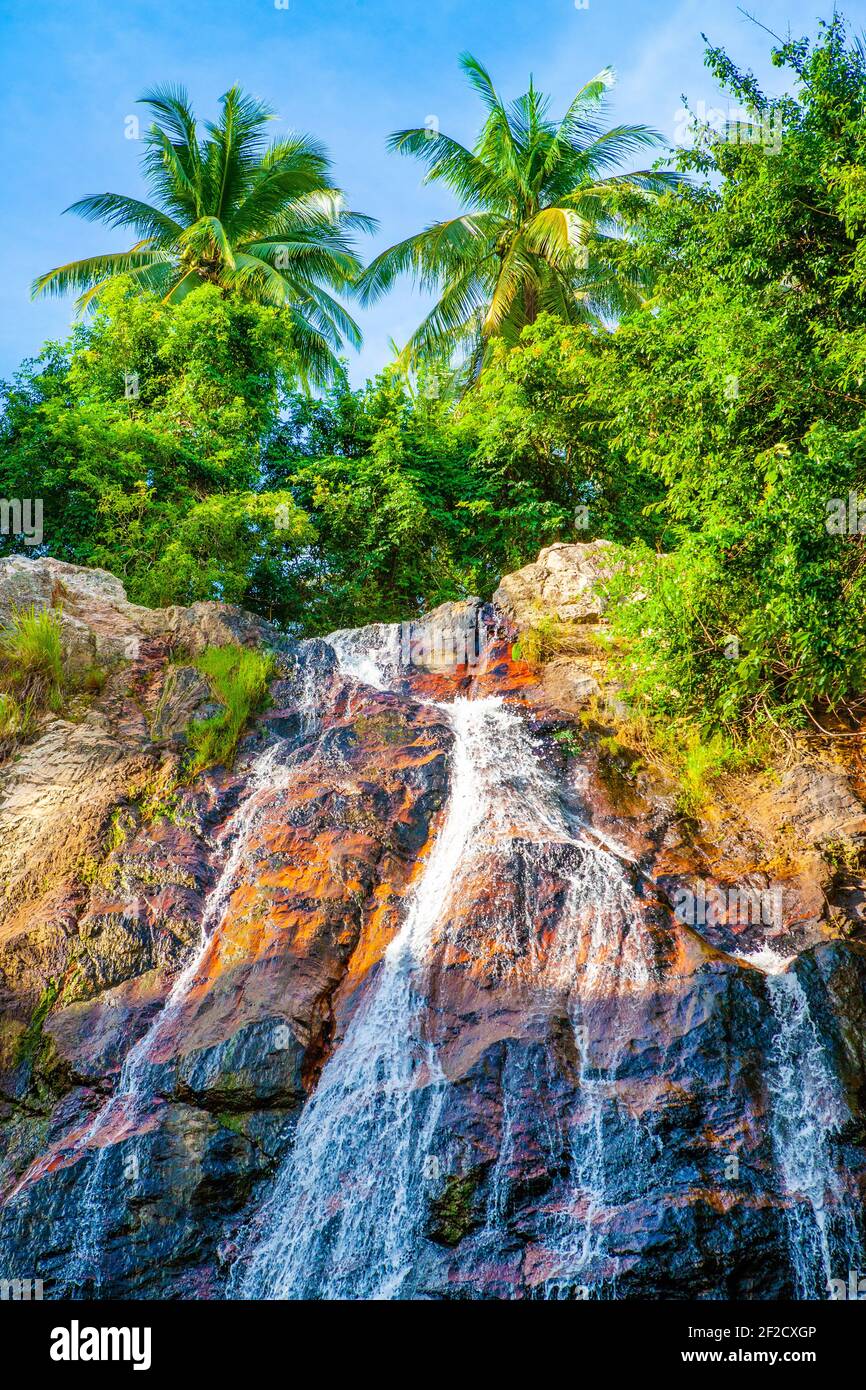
[[435, 992]]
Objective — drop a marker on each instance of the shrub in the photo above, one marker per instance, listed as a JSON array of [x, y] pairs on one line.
[[31, 673], [541, 642], [700, 765]]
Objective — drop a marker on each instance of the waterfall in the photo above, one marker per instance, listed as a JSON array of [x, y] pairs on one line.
[[134, 1092], [119, 1120], [527, 910], [601, 928], [347, 1209], [807, 1110], [371, 655]]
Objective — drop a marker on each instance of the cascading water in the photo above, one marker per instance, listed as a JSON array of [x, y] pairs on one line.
[[134, 1090], [114, 1132], [808, 1108], [530, 908], [371, 656], [601, 929], [348, 1206], [536, 1090]]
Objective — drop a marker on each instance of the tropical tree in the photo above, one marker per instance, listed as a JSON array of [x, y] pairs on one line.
[[230, 209], [544, 225]]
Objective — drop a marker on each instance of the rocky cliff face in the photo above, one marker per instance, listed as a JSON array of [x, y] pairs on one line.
[[406, 1003]]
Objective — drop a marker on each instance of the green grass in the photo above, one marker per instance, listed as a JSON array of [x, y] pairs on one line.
[[31, 656], [31, 673], [17, 721], [701, 762], [570, 742], [539, 643], [93, 680], [238, 678]]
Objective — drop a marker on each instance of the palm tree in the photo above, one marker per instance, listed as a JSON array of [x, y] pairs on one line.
[[262, 220], [545, 223]]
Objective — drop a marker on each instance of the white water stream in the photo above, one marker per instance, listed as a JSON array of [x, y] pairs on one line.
[[348, 1206], [808, 1109], [347, 1211], [134, 1089]]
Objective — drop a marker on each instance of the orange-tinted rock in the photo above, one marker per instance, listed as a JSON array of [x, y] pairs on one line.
[[173, 985]]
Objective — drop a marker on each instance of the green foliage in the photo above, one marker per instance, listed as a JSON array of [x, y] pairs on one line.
[[162, 487], [31, 673], [716, 434], [161, 797], [409, 506], [700, 763], [742, 394], [538, 643], [416, 499], [17, 722], [239, 679], [454, 1213], [30, 1041], [31, 656], [570, 742], [119, 824], [545, 424], [264, 222]]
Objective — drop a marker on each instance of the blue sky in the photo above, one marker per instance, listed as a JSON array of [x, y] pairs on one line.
[[349, 71]]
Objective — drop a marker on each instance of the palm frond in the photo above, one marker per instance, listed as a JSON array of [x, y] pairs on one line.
[[151, 279], [518, 272], [81, 275], [116, 210], [450, 163], [559, 235], [235, 148], [443, 250], [207, 237], [173, 175], [173, 113]]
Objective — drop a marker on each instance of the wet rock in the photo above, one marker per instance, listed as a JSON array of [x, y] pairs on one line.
[[591, 1083]]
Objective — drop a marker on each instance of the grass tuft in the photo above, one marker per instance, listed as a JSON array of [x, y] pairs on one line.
[[238, 677], [31, 656], [31, 673], [17, 721]]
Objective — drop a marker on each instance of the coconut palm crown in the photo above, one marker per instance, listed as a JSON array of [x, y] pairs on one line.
[[545, 214], [229, 208]]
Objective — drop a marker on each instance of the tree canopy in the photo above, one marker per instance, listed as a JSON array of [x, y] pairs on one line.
[[546, 210], [717, 433]]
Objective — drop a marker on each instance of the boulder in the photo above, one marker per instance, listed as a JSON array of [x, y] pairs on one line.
[[564, 583]]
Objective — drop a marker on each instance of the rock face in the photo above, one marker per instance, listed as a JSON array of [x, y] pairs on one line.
[[431, 995], [562, 583]]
